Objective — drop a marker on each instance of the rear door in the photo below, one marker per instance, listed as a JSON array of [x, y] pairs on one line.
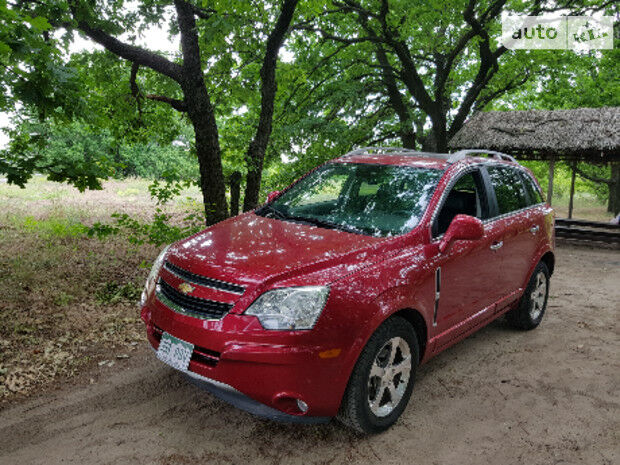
[[519, 223]]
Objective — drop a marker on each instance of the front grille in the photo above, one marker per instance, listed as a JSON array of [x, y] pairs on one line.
[[203, 280], [192, 306]]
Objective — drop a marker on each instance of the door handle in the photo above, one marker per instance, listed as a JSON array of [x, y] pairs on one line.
[[497, 245], [534, 229]]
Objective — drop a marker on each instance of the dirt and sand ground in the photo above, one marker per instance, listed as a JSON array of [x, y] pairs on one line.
[[549, 396]]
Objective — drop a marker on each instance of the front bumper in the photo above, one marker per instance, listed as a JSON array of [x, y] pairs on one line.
[[263, 372], [241, 401]]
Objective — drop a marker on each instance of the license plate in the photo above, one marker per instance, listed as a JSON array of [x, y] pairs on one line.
[[175, 352]]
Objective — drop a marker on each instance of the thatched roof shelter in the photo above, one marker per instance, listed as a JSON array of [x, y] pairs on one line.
[[588, 134]]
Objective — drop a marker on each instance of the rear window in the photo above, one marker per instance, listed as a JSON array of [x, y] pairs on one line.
[[509, 189]]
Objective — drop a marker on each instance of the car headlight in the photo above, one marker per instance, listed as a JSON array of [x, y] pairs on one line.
[[151, 281], [289, 308]]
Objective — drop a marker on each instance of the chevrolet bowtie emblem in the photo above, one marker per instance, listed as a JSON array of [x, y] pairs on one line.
[[185, 288]]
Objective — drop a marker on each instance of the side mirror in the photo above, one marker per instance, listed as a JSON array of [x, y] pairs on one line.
[[272, 196], [463, 228]]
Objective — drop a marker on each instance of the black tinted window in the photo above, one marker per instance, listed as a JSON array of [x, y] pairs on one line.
[[509, 189], [466, 197], [532, 189]]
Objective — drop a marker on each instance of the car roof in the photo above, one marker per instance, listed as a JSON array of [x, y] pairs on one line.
[[407, 157]]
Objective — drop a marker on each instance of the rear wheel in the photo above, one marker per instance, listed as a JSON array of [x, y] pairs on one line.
[[531, 309], [382, 380]]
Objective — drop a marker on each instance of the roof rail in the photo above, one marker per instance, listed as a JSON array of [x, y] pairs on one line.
[[461, 154], [395, 151], [371, 150], [450, 158]]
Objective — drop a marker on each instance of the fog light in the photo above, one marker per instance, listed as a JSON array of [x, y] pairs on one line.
[[302, 406]]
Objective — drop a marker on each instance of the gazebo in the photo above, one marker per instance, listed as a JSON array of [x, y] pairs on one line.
[[585, 134]]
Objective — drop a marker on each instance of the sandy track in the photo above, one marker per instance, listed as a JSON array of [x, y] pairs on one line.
[[545, 397]]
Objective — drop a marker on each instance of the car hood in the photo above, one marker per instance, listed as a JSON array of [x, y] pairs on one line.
[[250, 249]]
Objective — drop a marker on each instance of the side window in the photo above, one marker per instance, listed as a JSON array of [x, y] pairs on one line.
[[466, 197], [532, 189], [509, 189]]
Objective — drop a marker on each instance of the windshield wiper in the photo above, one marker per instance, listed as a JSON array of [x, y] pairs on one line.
[[275, 211], [314, 221], [326, 224]]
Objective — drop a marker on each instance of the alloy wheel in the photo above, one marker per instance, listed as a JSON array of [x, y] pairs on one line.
[[389, 376], [538, 295]]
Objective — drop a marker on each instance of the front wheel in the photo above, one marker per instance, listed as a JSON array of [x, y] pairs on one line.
[[531, 309], [382, 380]]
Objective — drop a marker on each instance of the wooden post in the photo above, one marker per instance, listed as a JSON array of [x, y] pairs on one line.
[[572, 189], [551, 172], [614, 189], [235, 192]]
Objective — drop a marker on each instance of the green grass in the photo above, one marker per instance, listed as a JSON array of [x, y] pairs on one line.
[[586, 207], [57, 226]]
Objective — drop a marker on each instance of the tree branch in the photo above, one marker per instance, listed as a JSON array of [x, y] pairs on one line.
[[258, 146], [202, 13], [395, 98], [128, 52], [329, 35], [178, 105], [409, 74], [488, 61], [513, 84], [589, 177]]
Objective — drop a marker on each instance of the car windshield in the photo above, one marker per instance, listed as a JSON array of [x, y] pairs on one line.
[[377, 200]]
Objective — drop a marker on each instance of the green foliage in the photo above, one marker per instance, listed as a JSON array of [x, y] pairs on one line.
[[65, 152], [562, 179], [76, 153], [158, 232], [567, 80], [32, 68]]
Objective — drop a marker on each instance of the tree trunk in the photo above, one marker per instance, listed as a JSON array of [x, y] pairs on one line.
[[200, 111], [209, 156], [437, 140], [211, 176], [408, 138], [255, 158], [235, 192]]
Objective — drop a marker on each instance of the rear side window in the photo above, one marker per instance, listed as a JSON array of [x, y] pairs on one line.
[[532, 189], [509, 189]]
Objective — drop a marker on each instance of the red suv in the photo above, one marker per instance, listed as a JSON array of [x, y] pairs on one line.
[[324, 301]]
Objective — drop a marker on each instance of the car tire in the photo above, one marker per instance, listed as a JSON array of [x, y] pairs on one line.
[[381, 371], [531, 308]]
